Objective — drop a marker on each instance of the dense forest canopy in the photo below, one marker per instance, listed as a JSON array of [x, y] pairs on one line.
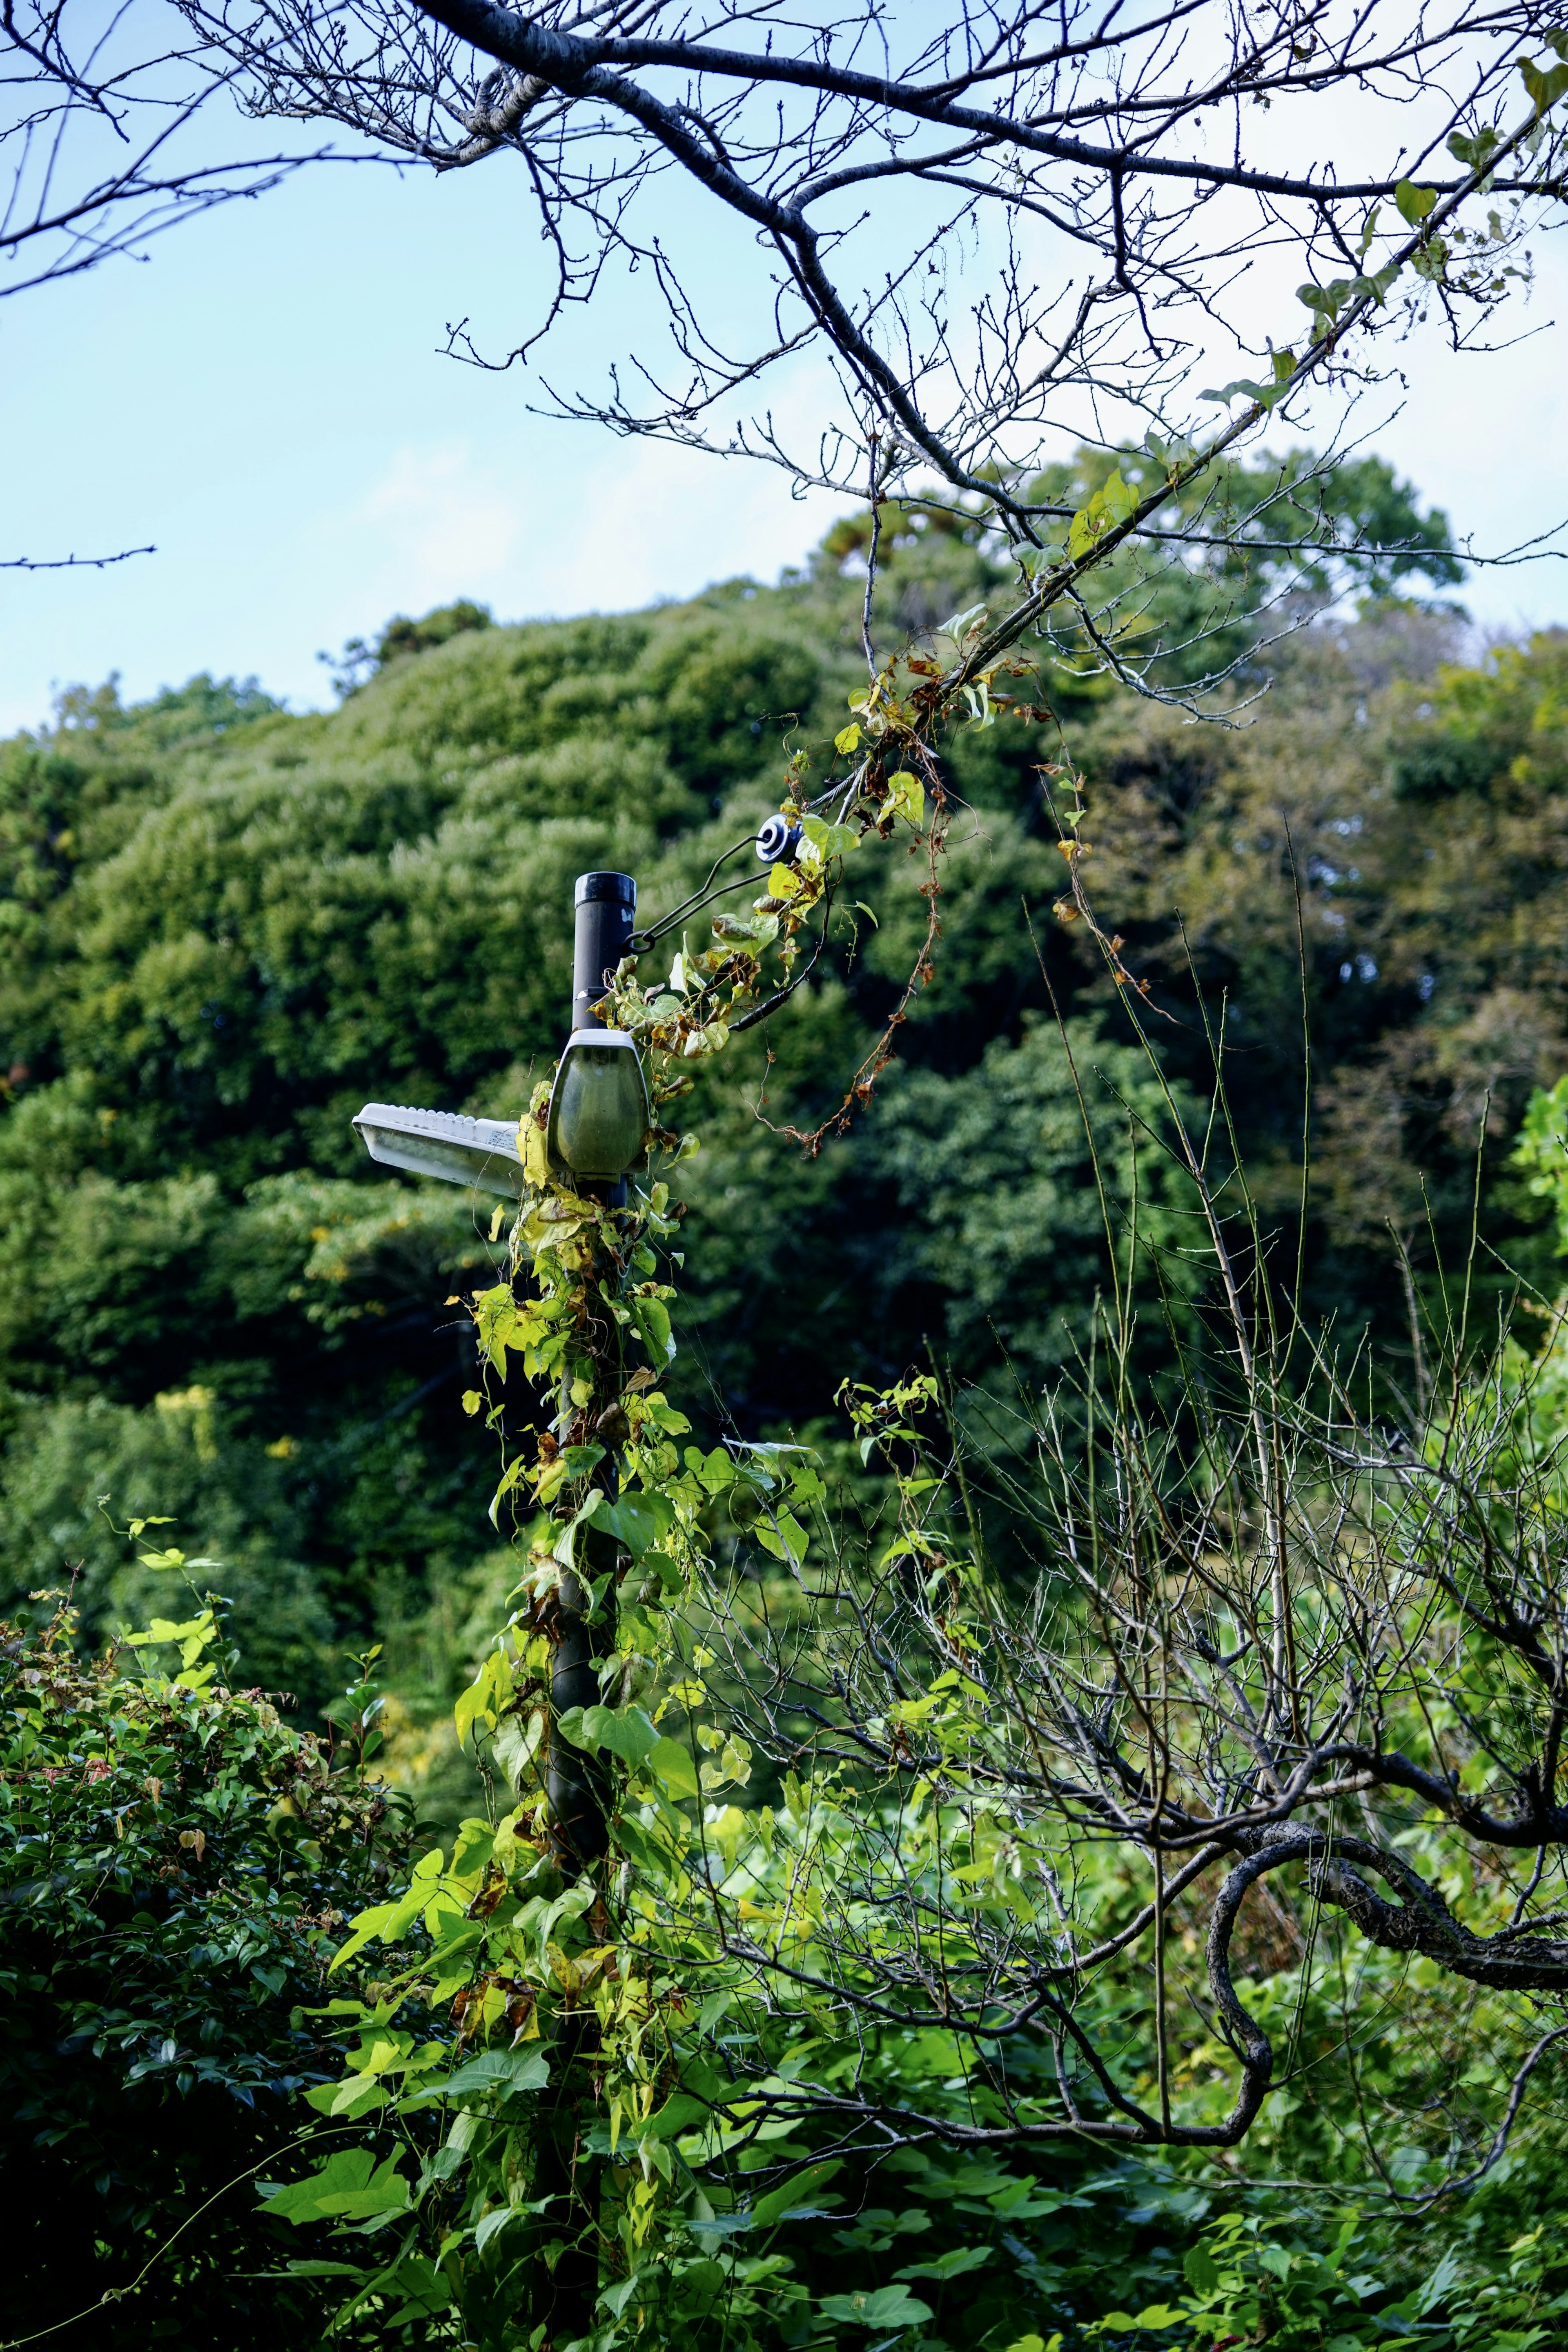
[[225, 926]]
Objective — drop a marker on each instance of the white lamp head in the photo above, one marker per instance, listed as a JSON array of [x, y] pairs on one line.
[[481, 1152]]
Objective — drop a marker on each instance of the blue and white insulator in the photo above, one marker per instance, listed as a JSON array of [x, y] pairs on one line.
[[778, 841]]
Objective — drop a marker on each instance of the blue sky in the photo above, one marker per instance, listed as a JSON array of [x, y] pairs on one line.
[[264, 399]]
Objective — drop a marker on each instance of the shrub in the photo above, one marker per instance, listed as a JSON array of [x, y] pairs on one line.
[[173, 1861]]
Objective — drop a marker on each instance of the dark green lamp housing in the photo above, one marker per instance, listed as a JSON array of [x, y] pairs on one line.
[[599, 1108]]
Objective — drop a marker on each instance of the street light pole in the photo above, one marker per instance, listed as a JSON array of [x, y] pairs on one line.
[[598, 1121], [605, 907]]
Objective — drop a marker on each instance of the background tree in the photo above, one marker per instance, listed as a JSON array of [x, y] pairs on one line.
[[227, 928]]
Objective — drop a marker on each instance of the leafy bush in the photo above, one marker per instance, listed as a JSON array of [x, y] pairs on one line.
[[175, 1865]]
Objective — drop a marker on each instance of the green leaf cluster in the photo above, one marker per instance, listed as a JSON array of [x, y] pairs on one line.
[[176, 1864]]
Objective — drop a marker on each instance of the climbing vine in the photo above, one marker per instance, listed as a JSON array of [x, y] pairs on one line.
[[539, 1991]]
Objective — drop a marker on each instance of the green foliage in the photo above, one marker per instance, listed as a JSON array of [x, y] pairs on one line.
[[224, 928], [173, 1864], [1266, 520], [1405, 836], [1542, 1153], [1266, 2285], [213, 1313], [997, 1217], [773, 1894], [876, 1884], [403, 637]]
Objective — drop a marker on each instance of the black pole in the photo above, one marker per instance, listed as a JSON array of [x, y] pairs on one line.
[[566, 2297], [606, 906]]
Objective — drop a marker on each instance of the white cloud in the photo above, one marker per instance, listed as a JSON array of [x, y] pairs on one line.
[[548, 518], [438, 516]]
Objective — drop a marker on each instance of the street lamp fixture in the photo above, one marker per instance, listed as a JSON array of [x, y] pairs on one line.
[[600, 1112], [481, 1152]]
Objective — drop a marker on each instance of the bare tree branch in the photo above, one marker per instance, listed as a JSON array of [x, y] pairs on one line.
[[71, 563], [1017, 230]]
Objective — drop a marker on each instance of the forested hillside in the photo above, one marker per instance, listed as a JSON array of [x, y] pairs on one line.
[[225, 926]]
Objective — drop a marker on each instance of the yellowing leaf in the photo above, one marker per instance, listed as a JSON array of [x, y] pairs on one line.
[[907, 794], [1544, 88], [831, 840], [847, 740], [534, 1151]]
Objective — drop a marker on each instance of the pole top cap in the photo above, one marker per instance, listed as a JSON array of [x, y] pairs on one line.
[[619, 889]]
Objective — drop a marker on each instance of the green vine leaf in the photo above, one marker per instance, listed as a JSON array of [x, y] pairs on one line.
[[511, 2071], [674, 1768], [1545, 85], [631, 1735]]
